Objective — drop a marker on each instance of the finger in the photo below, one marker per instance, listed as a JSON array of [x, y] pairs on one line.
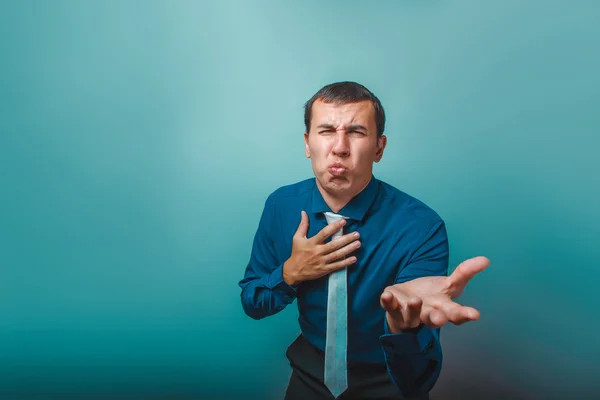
[[339, 242], [467, 269], [389, 303], [458, 314], [329, 230], [343, 263], [467, 314], [344, 251], [411, 312], [302, 230], [435, 318]]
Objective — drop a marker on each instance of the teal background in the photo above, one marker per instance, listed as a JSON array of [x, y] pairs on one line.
[[139, 141]]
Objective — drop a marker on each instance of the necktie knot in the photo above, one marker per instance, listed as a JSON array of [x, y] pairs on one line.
[[332, 217]]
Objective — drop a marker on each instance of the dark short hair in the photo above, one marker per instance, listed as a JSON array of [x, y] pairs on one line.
[[344, 93]]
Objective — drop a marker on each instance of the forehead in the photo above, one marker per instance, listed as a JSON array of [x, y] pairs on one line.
[[342, 114]]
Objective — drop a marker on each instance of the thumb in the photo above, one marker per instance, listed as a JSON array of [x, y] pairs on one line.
[[302, 230], [466, 270], [469, 268]]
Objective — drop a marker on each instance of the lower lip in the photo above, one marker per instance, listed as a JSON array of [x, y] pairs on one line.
[[336, 170]]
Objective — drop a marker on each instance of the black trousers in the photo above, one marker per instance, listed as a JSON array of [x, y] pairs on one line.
[[365, 381]]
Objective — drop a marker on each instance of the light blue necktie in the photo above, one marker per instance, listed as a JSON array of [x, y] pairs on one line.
[[336, 376]]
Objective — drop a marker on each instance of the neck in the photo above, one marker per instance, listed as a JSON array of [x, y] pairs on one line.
[[337, 201]]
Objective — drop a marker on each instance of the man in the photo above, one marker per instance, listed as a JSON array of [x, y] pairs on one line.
[[367, 263]]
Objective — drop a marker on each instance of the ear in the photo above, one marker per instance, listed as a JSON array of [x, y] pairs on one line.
[[306, 148], [381, 142]]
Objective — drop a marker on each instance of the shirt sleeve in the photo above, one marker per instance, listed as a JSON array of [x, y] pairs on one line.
[[264, 292], [414, 359]]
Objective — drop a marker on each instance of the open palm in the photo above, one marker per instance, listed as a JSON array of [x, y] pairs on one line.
[[430, 300]]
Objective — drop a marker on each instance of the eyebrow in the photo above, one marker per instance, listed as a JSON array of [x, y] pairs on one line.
[[326, 126], [351, 127], [355, 127]]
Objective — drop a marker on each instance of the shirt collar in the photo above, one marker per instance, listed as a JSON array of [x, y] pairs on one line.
[[356, 208]]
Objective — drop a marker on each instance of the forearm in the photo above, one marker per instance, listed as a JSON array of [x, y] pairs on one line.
[[414, 360], [266, 295]]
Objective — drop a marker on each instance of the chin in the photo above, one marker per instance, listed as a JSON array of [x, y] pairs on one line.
[[341, 183]]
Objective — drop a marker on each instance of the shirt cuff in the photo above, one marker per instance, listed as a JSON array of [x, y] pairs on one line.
[[276, 282], [420, 342]]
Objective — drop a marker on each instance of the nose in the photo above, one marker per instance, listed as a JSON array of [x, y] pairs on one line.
[[341, 146]]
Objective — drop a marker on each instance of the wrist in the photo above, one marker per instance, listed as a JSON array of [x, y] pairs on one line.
[[412, 330], [395, 328], [288, 275]]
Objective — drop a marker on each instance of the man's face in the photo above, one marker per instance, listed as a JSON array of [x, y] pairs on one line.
[[342, 144]]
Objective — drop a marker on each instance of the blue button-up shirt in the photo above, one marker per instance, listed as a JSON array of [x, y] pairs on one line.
[[401, 239]]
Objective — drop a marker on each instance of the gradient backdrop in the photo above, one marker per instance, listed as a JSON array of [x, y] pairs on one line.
[[139, 141]]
